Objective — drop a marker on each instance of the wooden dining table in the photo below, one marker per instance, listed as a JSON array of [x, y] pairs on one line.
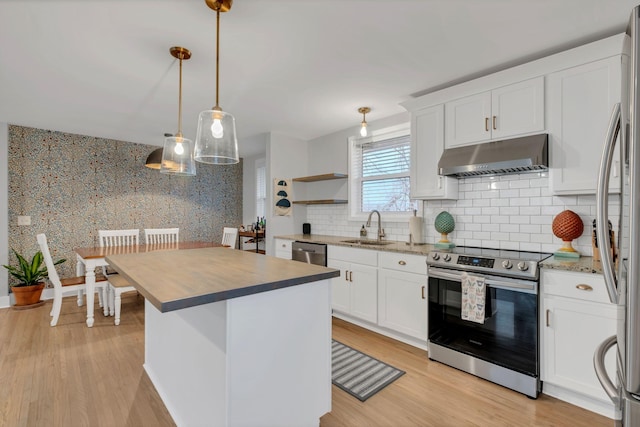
[[89, 258]]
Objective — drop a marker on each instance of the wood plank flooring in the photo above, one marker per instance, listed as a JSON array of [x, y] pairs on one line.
[[70, 375]]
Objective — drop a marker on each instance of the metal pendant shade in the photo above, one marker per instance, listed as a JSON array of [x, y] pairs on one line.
[[177, 155], [154, 159], [216, 141]]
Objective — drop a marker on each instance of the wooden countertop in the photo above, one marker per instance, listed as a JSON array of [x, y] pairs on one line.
[[172, 280]]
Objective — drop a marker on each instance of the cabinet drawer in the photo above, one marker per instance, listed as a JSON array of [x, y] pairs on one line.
[[583, 286], [359, 256], [403, 262], [282, 245]]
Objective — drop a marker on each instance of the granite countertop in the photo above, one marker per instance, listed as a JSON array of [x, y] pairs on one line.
[[176, 279], [390, 246], [585, 264]]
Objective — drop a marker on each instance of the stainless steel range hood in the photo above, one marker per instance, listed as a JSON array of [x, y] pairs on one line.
[[517, 155]]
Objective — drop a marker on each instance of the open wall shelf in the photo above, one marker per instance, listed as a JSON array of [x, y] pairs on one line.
[[323, 177]]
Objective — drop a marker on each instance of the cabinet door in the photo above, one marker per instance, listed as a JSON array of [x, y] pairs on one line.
[[402, 303], [340, 289], [427, 145], [363, 280], [283, 248], [517, 109], [580, 103], [572, 330], [467, 120]]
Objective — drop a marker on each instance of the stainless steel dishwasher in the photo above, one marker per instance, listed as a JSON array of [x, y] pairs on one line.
[[311, 253]]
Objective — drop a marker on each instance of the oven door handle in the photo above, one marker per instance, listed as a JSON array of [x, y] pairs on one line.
[[512, 284]]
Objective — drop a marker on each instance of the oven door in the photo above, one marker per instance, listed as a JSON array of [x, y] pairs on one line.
[[509, 335]]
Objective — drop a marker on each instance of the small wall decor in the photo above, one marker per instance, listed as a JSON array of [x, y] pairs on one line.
[[444, 224], [568, 226], [282, 189]]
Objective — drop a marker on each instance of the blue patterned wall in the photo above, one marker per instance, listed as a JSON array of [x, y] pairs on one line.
[[74, 185]]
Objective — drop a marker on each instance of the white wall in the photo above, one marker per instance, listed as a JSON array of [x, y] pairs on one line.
[[287, 157], [4, 213], [330, 153]]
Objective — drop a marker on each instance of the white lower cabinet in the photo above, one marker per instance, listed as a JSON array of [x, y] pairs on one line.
[[283, 248], [355, 292], [402, 294], [576, 317]]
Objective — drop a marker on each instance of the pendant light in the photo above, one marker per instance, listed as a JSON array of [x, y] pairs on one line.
[[154, 159], [177, 156], [364, 111], [216, 141]]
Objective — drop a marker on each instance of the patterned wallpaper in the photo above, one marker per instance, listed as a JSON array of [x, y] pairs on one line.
[[74, 185]]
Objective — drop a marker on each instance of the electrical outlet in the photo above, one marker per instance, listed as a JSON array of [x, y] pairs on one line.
[[24, 220]]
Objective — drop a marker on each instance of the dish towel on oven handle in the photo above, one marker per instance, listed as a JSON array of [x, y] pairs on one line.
[[473, 298]]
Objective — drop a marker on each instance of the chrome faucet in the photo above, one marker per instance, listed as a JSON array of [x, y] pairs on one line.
[[380, 229]]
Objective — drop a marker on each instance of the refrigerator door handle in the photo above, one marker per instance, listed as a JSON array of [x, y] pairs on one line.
[[602, 205], [601, 372]]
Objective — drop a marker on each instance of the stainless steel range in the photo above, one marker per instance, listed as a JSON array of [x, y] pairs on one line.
[[504, 347]]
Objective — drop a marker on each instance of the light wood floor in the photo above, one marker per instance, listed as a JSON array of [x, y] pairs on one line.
[[70, 375]]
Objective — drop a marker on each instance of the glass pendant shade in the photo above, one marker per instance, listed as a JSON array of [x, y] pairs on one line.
[[177, 156], [216, 141]]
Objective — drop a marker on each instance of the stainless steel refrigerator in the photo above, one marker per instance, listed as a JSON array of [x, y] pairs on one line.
[[622, 278]]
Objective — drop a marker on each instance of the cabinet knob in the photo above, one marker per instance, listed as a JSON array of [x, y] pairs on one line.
[[401, 262], [584, 287]]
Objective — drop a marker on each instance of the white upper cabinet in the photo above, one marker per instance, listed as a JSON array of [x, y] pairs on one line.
[[427, 145], [580, 102], [508, 111]]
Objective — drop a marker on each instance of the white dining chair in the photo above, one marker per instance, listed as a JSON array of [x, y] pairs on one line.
[[229, 237], [159, 236], [111, 238], [62, 286]]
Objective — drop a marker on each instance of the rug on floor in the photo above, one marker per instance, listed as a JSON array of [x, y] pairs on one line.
[[360, 375]]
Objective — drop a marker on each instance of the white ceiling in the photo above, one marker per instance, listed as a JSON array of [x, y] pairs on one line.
[[300, 67]]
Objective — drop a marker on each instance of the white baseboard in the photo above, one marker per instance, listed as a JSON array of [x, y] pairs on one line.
[[604, 408], [5, 302]]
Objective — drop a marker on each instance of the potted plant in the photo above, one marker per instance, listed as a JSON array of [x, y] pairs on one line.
[[30, 277]]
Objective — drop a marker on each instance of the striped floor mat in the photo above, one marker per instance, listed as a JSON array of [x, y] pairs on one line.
[[360, 375]]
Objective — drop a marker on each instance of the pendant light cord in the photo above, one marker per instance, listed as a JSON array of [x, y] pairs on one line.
[[180, 100], [217, 55]]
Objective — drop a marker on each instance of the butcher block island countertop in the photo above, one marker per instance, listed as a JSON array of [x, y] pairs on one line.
[[172, 280], [235, 338]]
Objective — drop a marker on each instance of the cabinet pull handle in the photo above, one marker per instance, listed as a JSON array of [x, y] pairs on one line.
[[584, 287], [547, 317], [494, 123], [346, 276], [423, 292], [486, 124], [401, 262], [351, 276]]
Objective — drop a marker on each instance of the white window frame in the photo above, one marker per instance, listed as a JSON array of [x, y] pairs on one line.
[[261, 193], [355, 179]]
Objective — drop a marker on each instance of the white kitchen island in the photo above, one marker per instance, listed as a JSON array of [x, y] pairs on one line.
[[235, 338]]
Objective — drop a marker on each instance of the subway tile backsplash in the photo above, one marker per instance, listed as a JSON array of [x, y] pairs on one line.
[[507, 212]]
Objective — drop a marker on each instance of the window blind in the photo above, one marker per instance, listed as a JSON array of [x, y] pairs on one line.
[[380, 168]]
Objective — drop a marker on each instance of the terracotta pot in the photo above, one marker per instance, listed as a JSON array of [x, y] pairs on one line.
[[27, 295]]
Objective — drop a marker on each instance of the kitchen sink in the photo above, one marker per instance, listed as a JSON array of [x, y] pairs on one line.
[[370, 242]]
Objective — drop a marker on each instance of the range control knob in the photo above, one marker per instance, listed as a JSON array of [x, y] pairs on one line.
[[435, 256], [523, 266], [447, 258], [507, 264]]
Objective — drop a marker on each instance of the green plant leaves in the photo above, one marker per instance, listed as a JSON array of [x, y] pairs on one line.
[[29, 273]]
